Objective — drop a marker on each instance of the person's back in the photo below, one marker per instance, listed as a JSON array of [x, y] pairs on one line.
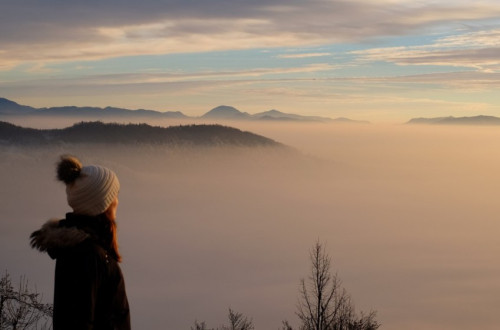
[[89, 290]]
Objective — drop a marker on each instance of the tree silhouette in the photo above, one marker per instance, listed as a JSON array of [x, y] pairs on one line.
[[237, 321], [323, 303], [22, 308]]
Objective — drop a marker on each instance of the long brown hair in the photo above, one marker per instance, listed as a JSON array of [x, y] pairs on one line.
[[114, 240], [108, 235]]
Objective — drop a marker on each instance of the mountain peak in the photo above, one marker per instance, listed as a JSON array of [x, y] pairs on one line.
[[226, 112], [12, 108], [273, 112], [7, 102], [222, 112], [282, 116], [8, 107]]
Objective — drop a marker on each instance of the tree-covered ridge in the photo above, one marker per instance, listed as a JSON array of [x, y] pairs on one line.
[[99, 132]]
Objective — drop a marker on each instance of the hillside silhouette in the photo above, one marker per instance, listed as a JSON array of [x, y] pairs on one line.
[[98, 132], [11, 108], [475, 120]]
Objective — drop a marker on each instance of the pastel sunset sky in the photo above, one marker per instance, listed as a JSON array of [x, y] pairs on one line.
[[376, 60]]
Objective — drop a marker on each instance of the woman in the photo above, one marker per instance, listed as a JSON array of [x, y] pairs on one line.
[[89, 290]]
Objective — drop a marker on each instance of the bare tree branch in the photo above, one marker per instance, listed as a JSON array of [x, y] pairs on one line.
[[22, 308], [323, 303]]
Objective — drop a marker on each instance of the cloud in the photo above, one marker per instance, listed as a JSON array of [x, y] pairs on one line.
[[202, 87], [470, 81], [478, 50], [304, 55], [176, 77], [35, 31]]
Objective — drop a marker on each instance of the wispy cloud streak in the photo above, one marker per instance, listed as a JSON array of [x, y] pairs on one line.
[[478, 50], [304, 55], [43, 32]]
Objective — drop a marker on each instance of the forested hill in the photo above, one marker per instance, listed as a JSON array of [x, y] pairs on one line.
[[98, 132]]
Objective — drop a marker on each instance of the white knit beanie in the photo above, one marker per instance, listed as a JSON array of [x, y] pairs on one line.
[[90, 189]]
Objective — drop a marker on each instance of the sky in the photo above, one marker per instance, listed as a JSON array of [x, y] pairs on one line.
[[382, 61]]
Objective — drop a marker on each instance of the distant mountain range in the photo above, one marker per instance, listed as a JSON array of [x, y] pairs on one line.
[[227, 112], [98, 132], [10, 108], [475, 120]]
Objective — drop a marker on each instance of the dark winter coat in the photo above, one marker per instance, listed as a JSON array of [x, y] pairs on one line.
[[89, 290]]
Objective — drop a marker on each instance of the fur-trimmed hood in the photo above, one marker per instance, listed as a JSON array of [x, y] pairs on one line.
[[54, 236]]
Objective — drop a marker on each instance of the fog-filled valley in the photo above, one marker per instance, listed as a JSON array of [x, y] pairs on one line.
[[409, 215]]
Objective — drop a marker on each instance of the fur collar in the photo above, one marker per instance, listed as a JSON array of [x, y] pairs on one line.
[[52, 237]]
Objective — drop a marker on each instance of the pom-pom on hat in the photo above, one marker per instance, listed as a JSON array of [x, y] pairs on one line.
[[90, 189]]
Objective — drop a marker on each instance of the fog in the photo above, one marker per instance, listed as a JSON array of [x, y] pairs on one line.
[[407, 213]]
